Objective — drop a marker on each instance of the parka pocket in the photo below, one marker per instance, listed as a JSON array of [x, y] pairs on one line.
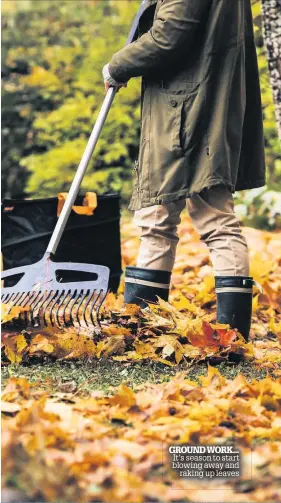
[[192, 121], [177, 126], [170, 132], [183, 111]]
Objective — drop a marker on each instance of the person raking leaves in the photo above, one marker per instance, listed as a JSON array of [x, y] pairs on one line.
[[201, 140]]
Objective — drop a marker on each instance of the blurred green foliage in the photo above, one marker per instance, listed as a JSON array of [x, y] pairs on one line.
[[53, 54], [52, 93], [261, 208], [272, 142]]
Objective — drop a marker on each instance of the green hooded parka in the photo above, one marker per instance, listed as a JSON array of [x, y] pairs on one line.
[[201, 104]]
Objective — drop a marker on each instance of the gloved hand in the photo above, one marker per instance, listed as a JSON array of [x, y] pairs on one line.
[[109, 81]]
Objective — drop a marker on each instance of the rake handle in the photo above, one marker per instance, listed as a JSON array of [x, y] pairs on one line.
[[75, 186]]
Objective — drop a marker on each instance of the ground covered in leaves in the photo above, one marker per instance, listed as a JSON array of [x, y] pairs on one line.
[[88, 414]]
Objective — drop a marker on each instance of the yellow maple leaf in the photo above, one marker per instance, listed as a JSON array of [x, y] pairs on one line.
[[9, 312], [14, 348], [206, 292], [184, 304], [212, 374], [124, 397], [41, 343]]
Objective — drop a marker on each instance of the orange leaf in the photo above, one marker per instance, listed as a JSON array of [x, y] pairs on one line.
[[124, 397], [88, 208]]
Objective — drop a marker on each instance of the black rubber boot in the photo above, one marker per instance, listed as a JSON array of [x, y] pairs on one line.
[[144, 285], [234, 302]]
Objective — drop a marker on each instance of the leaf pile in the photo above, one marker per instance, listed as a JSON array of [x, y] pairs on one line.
[[183, 330], [66, 446], [113, 448]]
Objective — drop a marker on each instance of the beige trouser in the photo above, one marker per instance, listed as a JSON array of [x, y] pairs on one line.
[[213, 216]]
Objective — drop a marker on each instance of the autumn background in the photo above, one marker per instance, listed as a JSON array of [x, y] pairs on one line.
[[86, 418], [52, 57]]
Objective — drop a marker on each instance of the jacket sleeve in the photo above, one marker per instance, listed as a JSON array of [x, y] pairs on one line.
[[175, 24]]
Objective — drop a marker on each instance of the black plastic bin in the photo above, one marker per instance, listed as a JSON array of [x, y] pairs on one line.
[[27, 226]]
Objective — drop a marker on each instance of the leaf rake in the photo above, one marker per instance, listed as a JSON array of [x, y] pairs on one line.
[[41, 287]]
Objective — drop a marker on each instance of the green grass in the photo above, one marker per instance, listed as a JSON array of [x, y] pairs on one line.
[[84, 377]]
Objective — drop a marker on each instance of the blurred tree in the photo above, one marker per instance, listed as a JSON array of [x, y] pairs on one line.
[[53, 89], [60, 91], [272, 143], [272, 34], [18, 103]]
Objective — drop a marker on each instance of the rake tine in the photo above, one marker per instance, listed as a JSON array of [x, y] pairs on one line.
[[40, 297], [7, 301], [99, 304], [85, 307], [32, 305], [5, 298], [28, 299], [72, 295], [11, 299], [28, 302], [75, 297], [45, 305], [23, 302], [103, 296], [42, 302], [33, 300], [55, 299], [83, 296], [17, 298], [24, 315], [49, 304], [51, 312], [36, 317], [64, 296], [95, 295], [22, 295]]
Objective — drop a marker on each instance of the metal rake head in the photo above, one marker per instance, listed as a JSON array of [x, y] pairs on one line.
[[50, 295]]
